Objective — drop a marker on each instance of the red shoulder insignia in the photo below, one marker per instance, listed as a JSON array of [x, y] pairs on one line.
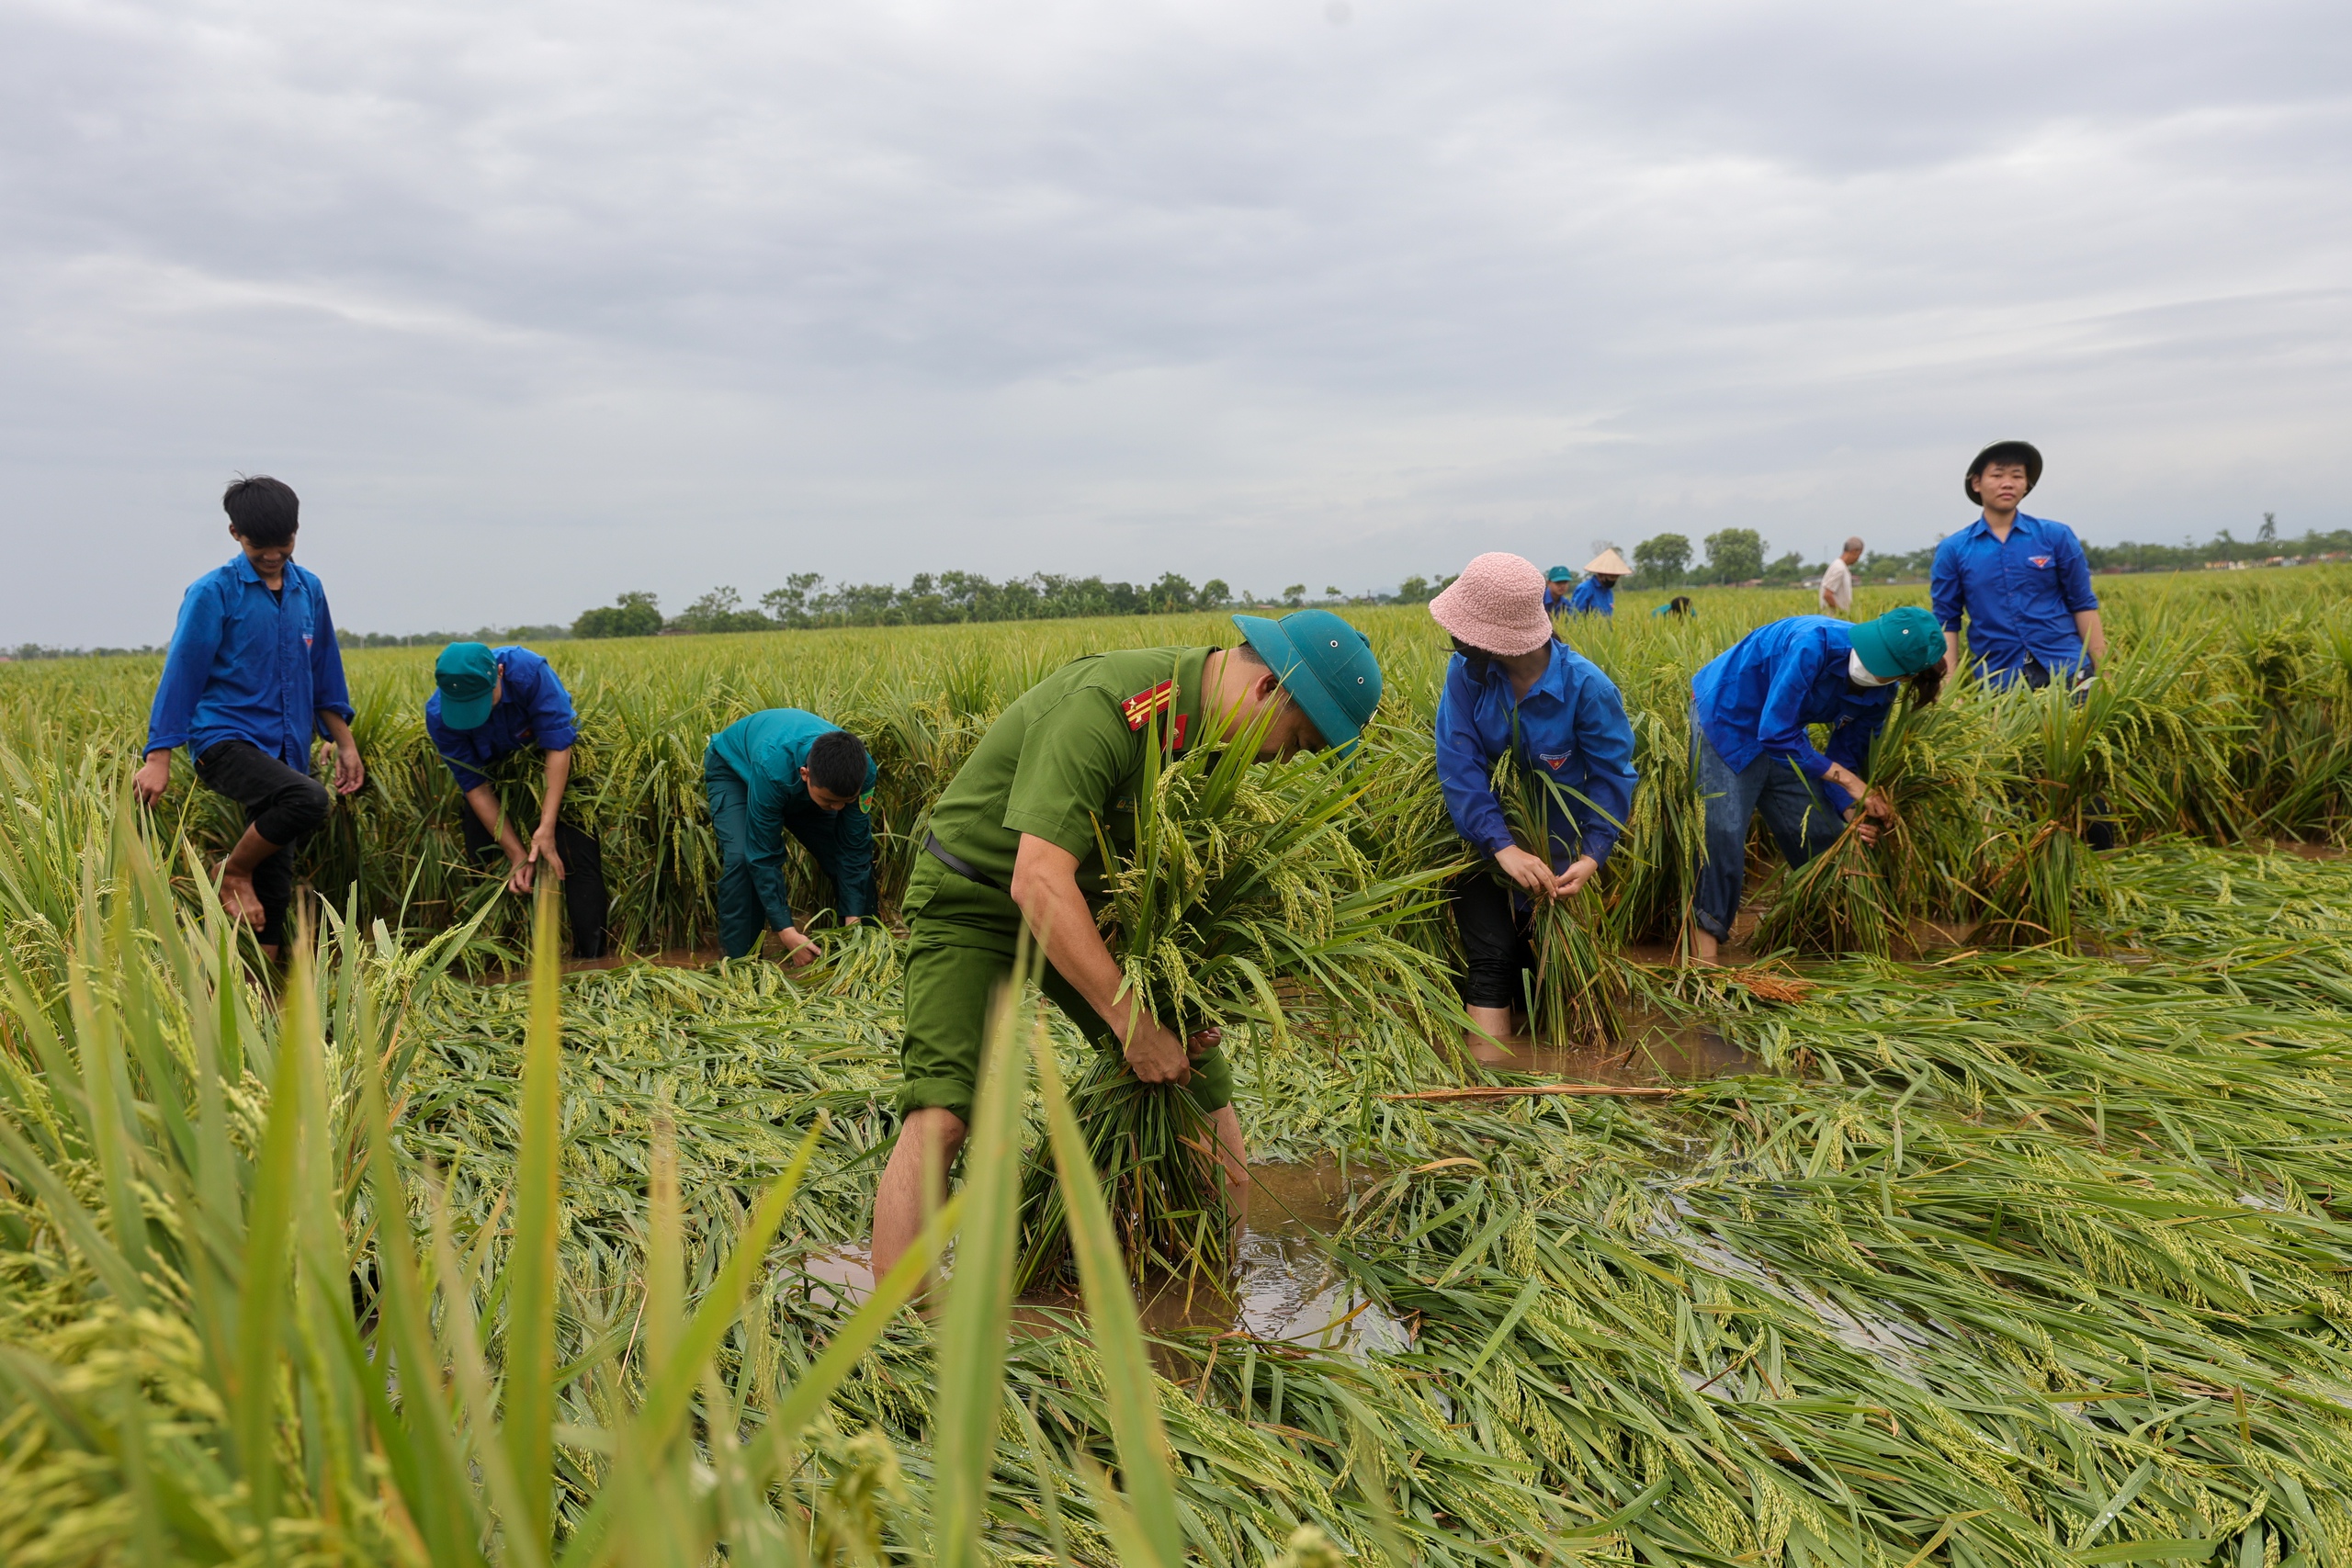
[[1144, 706]]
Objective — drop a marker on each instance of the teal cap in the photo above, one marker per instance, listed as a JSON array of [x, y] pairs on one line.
[[1901, 642], [1326, 666], [466, 673], [1559, 574]]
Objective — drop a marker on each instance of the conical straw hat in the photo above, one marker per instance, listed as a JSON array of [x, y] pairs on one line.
[[1609, 563]]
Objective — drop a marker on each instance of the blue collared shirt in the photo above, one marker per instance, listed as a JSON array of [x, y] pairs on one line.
[[533, 710], [1760, 694], [247, 665], [1555, 597], [767, 750], [1571, 729], [2021, 595], [1594, 597]]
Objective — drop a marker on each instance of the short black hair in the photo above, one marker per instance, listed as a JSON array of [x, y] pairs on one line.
[[837, 763], [2025, 454], [262, 510], [1243, 650]]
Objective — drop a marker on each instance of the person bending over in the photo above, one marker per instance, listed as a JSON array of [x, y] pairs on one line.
[[252, 677], [487, 704], [1750, 711], [1513, 687], [1597, 594], [786, 771], [1016, 839]]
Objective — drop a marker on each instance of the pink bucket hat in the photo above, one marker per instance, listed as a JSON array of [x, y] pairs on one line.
[[1496, 605]]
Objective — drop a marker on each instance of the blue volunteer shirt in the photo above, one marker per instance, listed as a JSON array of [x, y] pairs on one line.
[[1571, 729], [1555, 597], [1594, 597], [2019, 595], [767, 750], [1760, 694], [246, 664], [533, 709]]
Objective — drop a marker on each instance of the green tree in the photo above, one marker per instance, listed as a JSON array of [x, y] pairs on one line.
[[1414, 589], [1734, 555], [632, 615], [1663, 557], [721, 610], [1294, 595], [1215, 594]]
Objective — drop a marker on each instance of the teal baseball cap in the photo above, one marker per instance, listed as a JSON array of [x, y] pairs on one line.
[[1326, 668], [1559, 574], [466, 673], [1901, 642]]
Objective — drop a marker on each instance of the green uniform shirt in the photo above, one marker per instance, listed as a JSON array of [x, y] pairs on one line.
[[1068, 756]]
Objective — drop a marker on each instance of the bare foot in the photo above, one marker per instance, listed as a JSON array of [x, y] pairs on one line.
[[1702, 947], [237, 897], [1512, 1051]]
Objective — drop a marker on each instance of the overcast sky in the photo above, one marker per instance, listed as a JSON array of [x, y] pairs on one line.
[[534, 303]]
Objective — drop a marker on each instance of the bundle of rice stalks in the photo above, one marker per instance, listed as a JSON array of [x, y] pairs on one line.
[[1578, 994], [1246, 899], [1936, 765], [1155, 1156]]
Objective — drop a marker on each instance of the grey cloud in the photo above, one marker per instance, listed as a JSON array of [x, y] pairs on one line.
[[599, 295]]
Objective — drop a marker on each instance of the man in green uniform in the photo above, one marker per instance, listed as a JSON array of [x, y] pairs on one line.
[[1013, 841]]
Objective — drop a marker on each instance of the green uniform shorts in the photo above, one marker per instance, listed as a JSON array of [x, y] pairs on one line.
[[960, 950]]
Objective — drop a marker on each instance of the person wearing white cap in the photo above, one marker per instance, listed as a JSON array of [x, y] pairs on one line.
[[1597, 594], [1513, 687]]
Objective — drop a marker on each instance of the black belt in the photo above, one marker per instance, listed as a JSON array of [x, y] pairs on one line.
[[959, 865]]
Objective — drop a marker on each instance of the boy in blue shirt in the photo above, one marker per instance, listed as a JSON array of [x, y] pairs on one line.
[[1559, 587], [1751, 713], [786, 771], [2020, 581], [254, 675], [487, 704]]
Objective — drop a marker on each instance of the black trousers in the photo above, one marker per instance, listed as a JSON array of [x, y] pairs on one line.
[[1498, 940], [282, 805], [584, 898]]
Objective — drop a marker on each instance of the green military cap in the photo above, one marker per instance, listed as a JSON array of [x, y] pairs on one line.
[[1326, 666], [466, 673], [1901, 642]]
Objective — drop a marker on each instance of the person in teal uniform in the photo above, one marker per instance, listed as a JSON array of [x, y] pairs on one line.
[[786, 771]]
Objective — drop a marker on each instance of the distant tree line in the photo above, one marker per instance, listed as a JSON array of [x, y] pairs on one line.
[[950, 598], [346, 637]]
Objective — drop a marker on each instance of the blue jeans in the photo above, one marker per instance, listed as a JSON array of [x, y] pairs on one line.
[[1797, 814]]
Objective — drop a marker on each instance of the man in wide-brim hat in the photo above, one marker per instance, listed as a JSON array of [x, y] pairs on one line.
[[1597, 594], [2021, 584]]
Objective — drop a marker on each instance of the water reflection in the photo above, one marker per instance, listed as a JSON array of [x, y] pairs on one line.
[[1284, 1289]]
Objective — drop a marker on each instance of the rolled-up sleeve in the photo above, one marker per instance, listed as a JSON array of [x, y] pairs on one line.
[[329, 693], [1944, 595], [1464, 771], [196, 641]]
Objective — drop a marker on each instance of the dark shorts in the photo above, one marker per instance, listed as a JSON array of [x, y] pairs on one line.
[[1498, 940], [959, 951], [281, 804]]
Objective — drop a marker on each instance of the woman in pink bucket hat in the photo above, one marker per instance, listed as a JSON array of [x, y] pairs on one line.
[[1514, 688]]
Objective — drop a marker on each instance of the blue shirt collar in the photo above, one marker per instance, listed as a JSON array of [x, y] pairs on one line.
[[1980, 529], [1554, 679]]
